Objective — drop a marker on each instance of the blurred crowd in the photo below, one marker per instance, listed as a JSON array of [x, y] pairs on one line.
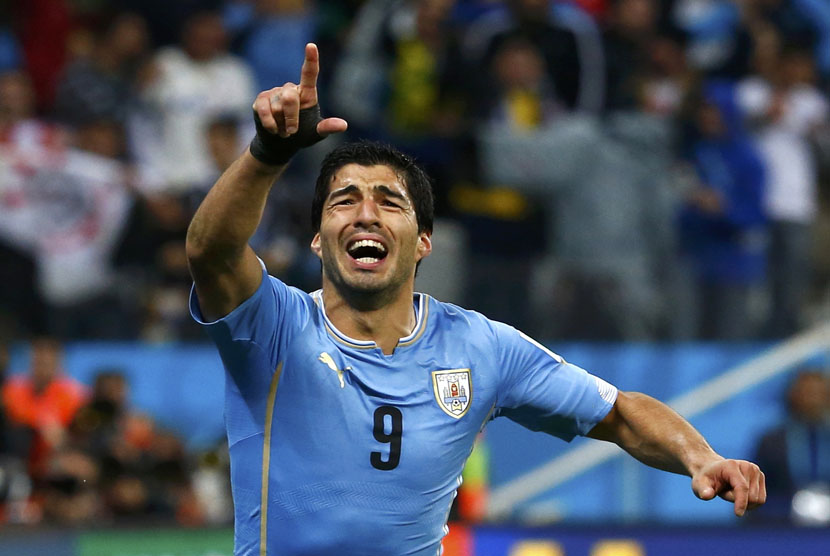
[[606, 169], [80, 455]]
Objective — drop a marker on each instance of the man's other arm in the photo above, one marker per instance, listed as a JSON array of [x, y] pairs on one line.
[[657, 436]]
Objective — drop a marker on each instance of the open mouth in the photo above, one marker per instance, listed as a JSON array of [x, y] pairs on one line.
[[367, 251]]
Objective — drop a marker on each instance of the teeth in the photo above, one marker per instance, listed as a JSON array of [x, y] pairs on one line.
[[368, 243], [367, 260]]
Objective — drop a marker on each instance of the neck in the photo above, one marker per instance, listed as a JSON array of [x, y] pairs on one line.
[[381, 318]]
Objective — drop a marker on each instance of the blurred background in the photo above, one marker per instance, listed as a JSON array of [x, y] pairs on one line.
[[642, 185]]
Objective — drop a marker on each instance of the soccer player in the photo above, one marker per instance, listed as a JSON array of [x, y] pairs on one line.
[[350, 411]]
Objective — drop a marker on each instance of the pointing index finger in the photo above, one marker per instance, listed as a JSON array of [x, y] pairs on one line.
[[311, 67]]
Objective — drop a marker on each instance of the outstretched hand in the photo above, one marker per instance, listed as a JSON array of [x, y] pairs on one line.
[[738, 481], [288, 117]]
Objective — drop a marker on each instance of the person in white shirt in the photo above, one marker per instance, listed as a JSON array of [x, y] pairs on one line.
[[193, 83], [786, 109]]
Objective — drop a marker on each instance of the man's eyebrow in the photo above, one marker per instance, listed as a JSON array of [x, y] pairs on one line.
[[389, 192], [343, 191]]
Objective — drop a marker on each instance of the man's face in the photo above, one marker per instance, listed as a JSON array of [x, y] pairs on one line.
[[368, 239]]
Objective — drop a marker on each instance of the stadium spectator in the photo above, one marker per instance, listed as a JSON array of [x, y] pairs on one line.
[[803, 25], [290, 23], [627, 40], [571, 59], [101, 84], [497, 217], [97, 422], [787, 109], [424, 92], [63, 205], [190, 84], [523, 96], [722, 222], [84, 198], [44, 400], [405, 82], [614, 268], [796, 453], [668, 78], [20, 128]]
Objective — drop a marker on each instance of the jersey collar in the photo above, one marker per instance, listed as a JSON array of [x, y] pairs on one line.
[[420, 302]]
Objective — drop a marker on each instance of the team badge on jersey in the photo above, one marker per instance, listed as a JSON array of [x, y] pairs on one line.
[[453, 391]]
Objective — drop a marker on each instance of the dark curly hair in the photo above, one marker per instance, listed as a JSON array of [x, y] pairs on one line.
[[372, 153]]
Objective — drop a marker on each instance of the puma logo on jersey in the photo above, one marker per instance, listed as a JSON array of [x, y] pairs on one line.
[[326, 358]]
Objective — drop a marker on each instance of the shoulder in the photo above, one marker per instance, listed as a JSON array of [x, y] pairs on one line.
[[452, 315], [273, 299], [476, 329], [507, 344], [285, 298]]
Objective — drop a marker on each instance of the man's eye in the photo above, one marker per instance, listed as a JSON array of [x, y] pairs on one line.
[[344, 202], [391, 204]]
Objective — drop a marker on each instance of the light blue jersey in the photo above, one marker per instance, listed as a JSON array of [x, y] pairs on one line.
[[338, 449]]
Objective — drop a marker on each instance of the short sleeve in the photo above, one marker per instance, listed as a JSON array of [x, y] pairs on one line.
[[255, 334], [542, 392]]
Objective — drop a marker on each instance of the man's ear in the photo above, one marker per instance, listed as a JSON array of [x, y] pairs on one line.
[[315, 245], [424, 245]]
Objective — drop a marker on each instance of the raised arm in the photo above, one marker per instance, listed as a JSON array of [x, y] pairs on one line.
[[657, 436], [225, 269]]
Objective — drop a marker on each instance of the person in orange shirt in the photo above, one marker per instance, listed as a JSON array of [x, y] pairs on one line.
[[44, 400]]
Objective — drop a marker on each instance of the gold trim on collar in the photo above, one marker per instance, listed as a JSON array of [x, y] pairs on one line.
[[424, 316], [345, 342], [342, 338]]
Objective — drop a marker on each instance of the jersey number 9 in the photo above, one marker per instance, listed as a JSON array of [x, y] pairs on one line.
[[393, 438]]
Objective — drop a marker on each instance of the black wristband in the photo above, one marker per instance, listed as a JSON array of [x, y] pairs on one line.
[[270, 148]]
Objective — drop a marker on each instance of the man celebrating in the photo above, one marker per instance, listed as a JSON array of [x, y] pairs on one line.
[[350, 412]]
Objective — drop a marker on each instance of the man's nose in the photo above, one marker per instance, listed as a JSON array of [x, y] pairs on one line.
[[368, 213]]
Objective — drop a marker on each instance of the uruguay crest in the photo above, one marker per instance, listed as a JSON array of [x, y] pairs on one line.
[[453, 391]]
